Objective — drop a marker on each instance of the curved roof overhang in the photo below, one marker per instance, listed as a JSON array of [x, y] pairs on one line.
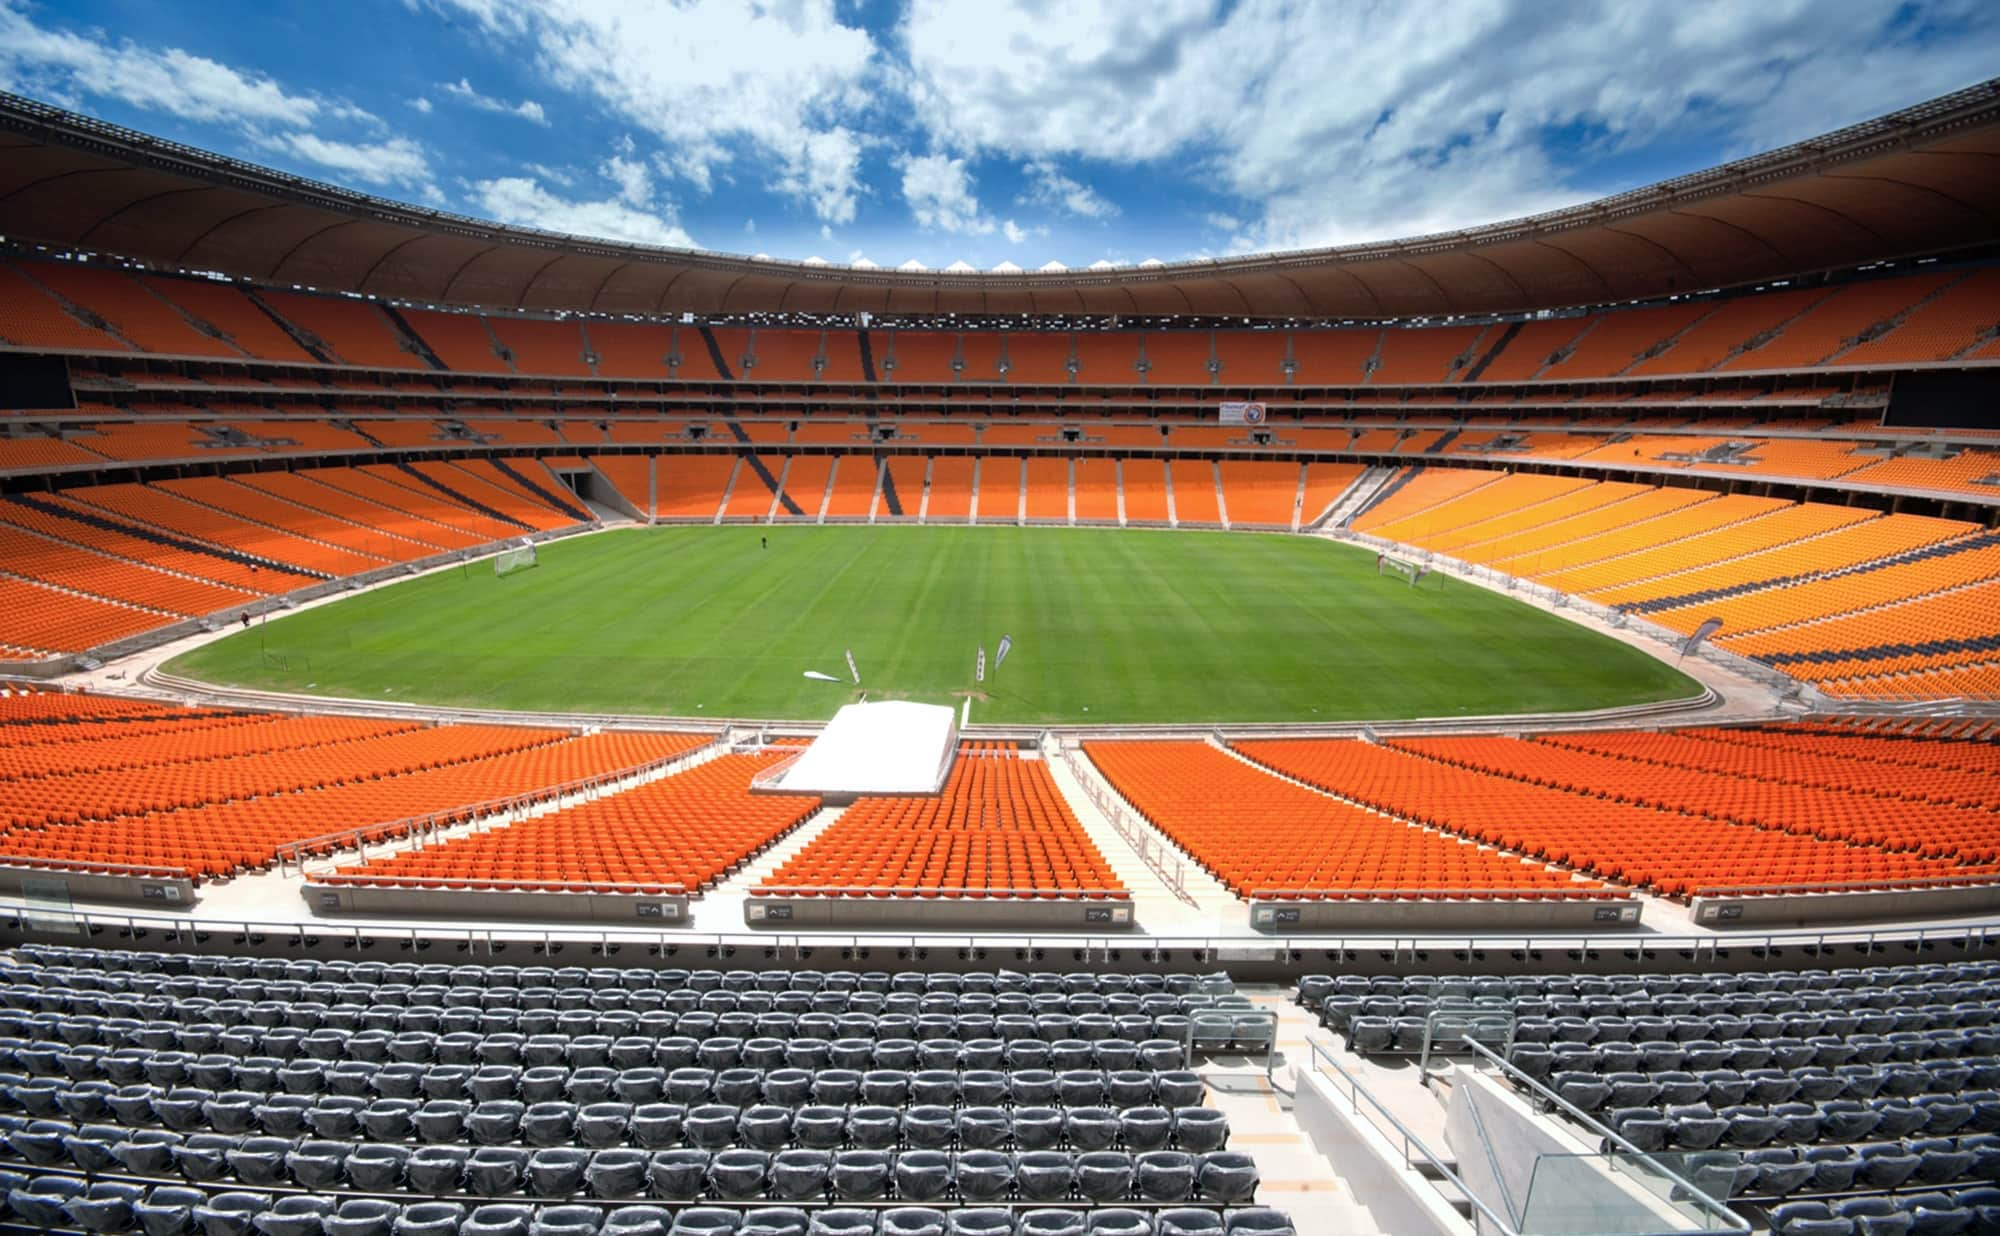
[[1919, 182]]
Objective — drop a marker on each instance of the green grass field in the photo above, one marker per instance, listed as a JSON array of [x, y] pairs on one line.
[[1108, 626]]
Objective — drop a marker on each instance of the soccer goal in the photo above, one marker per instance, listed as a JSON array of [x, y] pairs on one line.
[[1411, 571], [520, 558]]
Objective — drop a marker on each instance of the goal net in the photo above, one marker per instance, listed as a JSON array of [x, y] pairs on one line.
[[508, 561], [1411, 571]]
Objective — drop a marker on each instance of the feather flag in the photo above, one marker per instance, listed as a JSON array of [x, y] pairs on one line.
[[1000, 653]]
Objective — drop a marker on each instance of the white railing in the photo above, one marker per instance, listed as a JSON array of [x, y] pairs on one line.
[[1153, 850]]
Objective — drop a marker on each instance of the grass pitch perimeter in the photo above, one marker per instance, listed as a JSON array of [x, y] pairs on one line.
[[1108, 626]]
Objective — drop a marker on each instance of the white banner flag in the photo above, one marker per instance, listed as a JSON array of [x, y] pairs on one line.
[[1238, 413], [979, 670], [1000, 653], [851, 667]]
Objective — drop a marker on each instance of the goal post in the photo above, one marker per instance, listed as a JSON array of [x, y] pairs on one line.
[[1413, 572], [519, 558]]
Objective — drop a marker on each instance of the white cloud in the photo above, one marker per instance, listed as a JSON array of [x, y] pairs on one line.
[[69, 66], [785, 78], [940, 197], [1016, 234], [1355, 122], [1049, 187], [422, 105], [464, 91], [520, 200], [635, 183], [395, 161], [64, 65]]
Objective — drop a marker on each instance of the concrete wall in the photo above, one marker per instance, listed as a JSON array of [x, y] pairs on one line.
[[799, 913], [1820, 909], [1400, 1200], [151, 892], [1284, 916], [622, 909]]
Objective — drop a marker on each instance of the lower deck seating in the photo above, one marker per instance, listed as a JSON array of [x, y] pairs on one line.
[[680, 834], [1497, 790], [1262, 495], [218, 1093], [999, 829], [1267, 838], [1811, 1093], [211, 820]]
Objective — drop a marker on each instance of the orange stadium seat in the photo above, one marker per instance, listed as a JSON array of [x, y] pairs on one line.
[[691, 487], [145, 320], [631, 476], [852, 492], [353, 332], [950, 489], [1144, 482], [680, 833], [1265, 838], [998, 829], [1046, 487]]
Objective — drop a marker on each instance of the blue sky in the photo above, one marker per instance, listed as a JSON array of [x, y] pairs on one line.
[[991, 131]]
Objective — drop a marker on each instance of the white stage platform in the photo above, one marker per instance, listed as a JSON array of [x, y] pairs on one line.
[[891, 747]]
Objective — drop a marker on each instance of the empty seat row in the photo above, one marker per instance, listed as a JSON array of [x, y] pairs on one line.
[[1928, 1214], [1590, 1018], [1934, 1061], [1595, 1091], [65, 984], [610, 1039], [1698, 1126], [69, 1076], [690, 1174], [1785, 1171], [302, 1016], [167, 1210], [1314, 988], [142, 962], [401, 1077], [606, 1121]]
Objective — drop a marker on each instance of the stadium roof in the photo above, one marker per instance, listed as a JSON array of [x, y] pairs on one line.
[[1917, 182]]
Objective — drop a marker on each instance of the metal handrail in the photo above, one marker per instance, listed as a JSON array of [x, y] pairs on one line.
[[1356, 1092], [1406, 949], [1159, 857], [1709, 1205]]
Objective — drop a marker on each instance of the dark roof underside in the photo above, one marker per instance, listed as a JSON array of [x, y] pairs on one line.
[[1919, 182]]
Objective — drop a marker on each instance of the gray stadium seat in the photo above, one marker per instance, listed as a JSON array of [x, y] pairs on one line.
[[294, 1216], [498, 1219], [911, 1221], [982, 1175], [570, 1220], [800, 1175], [1226, 1176], [232, 1214], [167, 1210], [1164, 1175], [616, 1173], [860, 1175], [678, 1175], [492, 1171], [436, 1169], [922, 1175], [260, 1161]]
